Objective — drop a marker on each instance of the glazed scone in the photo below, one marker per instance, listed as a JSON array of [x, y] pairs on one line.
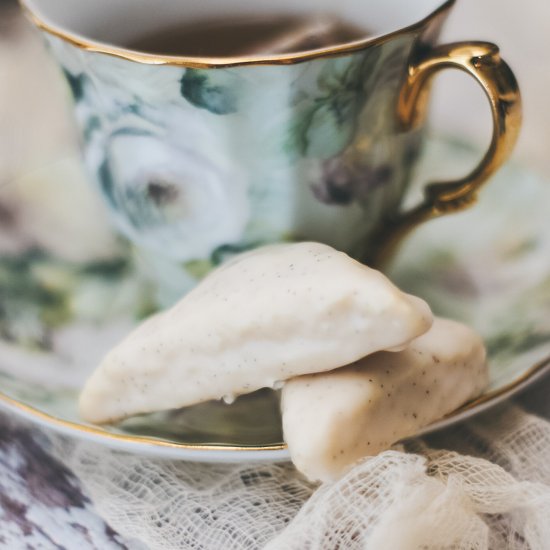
[[266, 316], [331, 420]]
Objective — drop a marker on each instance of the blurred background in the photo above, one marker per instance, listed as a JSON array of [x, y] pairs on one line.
[[36, 129], [522, 30]]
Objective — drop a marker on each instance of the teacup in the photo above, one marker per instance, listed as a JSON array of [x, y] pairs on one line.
[[202, 158]]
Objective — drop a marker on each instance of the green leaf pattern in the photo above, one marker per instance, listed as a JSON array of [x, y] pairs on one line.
[[215, 91]]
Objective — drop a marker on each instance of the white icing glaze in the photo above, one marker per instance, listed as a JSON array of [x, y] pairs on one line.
[[333, 419], [268, 315]]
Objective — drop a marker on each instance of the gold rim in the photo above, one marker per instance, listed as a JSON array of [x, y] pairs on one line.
[[220, 62], [92, 430], [539, 368]]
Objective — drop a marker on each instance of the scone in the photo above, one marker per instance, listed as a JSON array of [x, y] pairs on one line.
[[333, 419], [269, 315]]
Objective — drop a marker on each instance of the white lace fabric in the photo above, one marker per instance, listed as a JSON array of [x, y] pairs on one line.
[[491, 491]]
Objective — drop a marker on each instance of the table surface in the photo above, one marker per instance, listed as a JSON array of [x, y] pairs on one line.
[[42, 504]]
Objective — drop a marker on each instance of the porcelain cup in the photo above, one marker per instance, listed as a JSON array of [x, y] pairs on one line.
[[201, 158]]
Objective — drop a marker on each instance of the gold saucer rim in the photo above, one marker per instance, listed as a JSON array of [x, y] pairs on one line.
[[484, 401]]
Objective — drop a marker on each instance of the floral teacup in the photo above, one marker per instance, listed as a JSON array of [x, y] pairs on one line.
[[201, 158]]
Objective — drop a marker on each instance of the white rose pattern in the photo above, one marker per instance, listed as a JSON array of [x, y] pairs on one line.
[[171, 198]]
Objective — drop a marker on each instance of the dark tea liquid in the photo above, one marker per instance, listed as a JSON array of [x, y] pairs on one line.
[[248, 36]]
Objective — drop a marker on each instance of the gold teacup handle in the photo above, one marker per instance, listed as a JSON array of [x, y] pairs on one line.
[[482, 61]]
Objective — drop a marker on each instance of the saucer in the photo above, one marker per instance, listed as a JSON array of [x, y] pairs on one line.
[[62, 307]]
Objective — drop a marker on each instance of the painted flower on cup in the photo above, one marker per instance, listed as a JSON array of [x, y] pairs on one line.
[[170, 198], [153, 136], [326, 119], [342, 183]]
